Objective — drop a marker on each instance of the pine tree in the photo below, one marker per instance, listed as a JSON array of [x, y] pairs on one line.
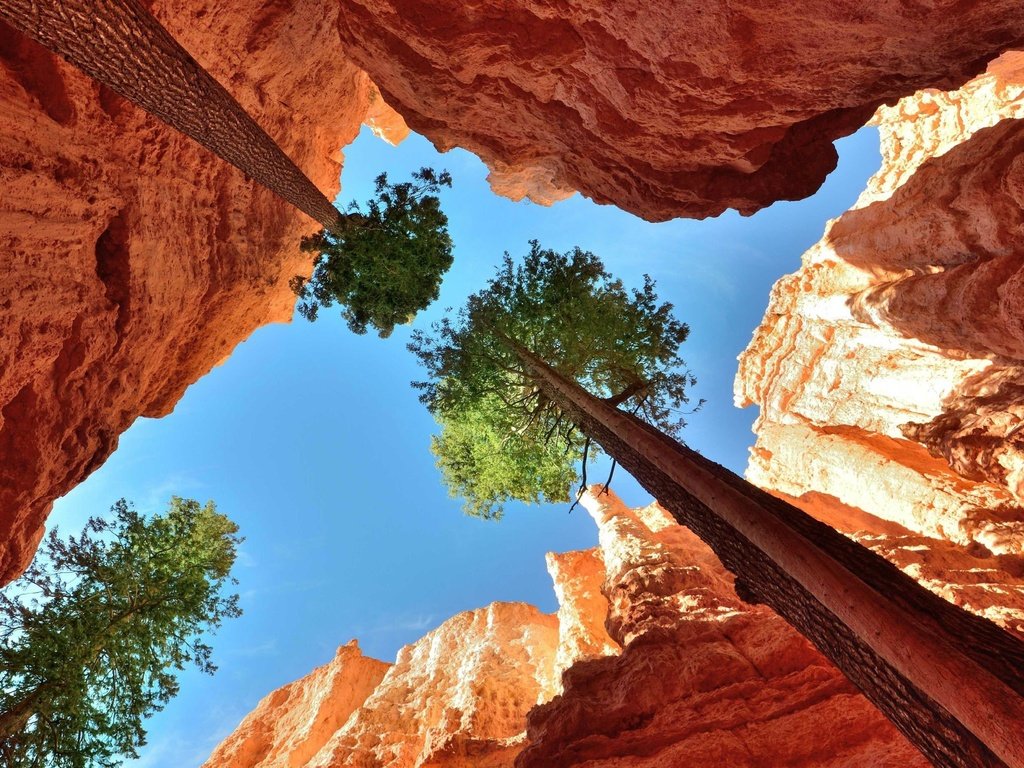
[[92, 634], [533, 353], [382, 263], [502, 436]]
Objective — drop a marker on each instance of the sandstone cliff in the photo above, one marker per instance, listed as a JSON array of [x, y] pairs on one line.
[[660, 662], [134, 261], [888, 369], [682, 107]]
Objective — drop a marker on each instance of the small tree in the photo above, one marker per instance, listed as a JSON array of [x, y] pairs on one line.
[[502, 438], [93, 632], [385, 263]]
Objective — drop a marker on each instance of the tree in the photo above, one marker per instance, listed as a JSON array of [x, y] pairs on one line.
[[93, 632], [951, 681], [502, 437], [122, 45], [384, 263]]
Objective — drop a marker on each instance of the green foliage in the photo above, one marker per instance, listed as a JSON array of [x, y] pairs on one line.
[[385, 263], [93, 632], [501, 437], [486, 463]]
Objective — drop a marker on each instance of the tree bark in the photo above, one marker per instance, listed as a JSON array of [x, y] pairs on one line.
[[122, 45], [14, 719], [951, 681]]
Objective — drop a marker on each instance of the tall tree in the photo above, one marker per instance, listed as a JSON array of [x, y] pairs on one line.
[[504, 437], [93, 632], [122, 45], [951, 681], [382, 263]]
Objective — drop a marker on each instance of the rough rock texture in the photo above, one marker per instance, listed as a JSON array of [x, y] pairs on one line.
[[133, 260], [889, 368], [673, 108], [290, 725], [703, 679], [666, 666], [456, 698], [582, 608]]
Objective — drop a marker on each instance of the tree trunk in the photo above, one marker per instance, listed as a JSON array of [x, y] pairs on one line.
[[14, 719], [121, 44], [951, 681]]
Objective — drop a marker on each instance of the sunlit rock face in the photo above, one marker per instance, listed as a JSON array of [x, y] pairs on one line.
[[651, 661], [683, 107], [703, 678], [889, 369], [290, 725], [456, 698], [132, 260]]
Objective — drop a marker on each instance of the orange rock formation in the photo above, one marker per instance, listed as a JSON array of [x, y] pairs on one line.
[[290, 725], [667, 109], [135, 261], [684, 672], [888, 369]]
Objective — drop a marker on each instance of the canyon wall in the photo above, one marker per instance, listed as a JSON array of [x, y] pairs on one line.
[[888, 369], [652, 660], [678, 108]]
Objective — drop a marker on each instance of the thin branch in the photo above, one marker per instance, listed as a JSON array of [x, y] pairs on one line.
[[583, 478], [609, 480]]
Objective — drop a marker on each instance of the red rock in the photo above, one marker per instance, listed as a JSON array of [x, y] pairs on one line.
[[703, 679], [582, 608], [666, 109], [690, 675]]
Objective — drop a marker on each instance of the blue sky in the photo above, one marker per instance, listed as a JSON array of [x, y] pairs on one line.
[[312, 440]]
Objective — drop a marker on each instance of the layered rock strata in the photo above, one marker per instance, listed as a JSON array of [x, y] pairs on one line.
[[677, 108], [660, 662], [134, 260], [888, 369]]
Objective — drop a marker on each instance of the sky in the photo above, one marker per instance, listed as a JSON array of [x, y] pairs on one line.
[[312, 440]]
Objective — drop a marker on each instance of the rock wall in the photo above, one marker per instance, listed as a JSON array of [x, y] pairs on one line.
[[888, 369], [652, 660], [682, 107], [133, 260]]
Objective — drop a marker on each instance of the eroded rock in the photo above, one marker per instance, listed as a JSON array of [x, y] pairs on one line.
[[888, 369], [667, 109], [683, 671]]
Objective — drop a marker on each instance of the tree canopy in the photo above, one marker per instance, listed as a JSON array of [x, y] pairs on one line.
[[92, 634], [501, 438], [382, 263]]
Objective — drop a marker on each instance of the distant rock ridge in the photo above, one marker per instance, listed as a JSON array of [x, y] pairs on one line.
[[652, 660]]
